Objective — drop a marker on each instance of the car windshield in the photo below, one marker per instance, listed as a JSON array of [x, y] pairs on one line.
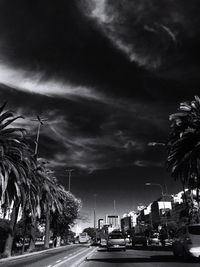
[[115, 237], [194, 229]]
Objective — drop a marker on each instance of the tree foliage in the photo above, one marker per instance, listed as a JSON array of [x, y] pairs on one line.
[[25, 183], [184, 144]]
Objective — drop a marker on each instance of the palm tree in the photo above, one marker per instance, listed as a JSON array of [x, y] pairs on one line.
[[184, 145], [15, 168]]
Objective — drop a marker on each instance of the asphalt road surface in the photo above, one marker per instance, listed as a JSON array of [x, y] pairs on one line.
[[70, 256], [84, 256], [138, 257]]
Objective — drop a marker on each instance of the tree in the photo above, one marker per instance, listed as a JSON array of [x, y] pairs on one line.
[[90, 231], [15, 168], [184, 145], [61, 221]]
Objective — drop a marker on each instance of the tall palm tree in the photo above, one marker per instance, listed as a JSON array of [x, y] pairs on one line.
[[51, 199], [15, 168], [184, 145]]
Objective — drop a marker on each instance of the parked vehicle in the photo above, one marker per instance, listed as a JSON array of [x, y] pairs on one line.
[[154, 240], [116, 241], [139, 239], [187, 241]]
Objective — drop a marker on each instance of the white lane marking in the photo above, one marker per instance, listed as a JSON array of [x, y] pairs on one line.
[[49, 266], [72, 257], [81, 260], [58, 261]]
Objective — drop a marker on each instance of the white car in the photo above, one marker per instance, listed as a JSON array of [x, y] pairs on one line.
[[154, 240], [187, 241], [116, 241]]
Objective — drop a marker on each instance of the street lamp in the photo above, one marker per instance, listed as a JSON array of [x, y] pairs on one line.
[[95, 201], [155, 184], [156, 144]]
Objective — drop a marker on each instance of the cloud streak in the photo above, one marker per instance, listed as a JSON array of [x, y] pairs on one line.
[[34, 83], [146, 31]]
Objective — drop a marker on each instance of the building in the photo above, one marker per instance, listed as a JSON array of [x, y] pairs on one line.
[[100, 223], [133, 215], [113, 221], [126, 224], [161, 211]]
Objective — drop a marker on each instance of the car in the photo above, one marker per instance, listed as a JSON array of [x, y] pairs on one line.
[[103, 242], [139, 239], [116, 241], [187, 241], [154, 240]]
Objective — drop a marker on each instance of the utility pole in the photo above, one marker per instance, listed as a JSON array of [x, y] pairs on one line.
[[40, 123], [114, 206], [95, 200], [69, 176]]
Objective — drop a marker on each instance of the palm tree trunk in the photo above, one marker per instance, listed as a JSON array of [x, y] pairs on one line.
[[47, 229], [33, 233], [198, 215], [9, 241], [24, 236]]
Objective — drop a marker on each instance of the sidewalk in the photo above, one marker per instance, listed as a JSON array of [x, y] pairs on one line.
[[27, 254]]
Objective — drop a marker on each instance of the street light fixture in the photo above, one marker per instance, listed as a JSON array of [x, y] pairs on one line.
[[155, 184], [69, 183], [156, 144], [95, 229]]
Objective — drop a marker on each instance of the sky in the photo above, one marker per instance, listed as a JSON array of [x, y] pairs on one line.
[[106, 74]]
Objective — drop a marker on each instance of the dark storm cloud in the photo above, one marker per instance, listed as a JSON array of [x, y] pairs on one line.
[[150, 32], [53, 48], [53, 40], [87, 135], [71, 62]]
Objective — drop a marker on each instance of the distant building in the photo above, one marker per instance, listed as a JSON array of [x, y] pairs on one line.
[[113, 221], [126, 224], [133, 215], [100, 223], [161, 211]]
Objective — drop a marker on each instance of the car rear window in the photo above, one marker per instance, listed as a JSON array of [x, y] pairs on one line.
[[115, 236], [194, 230]]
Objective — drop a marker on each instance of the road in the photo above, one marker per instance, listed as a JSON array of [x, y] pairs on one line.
[[84, 256], [138, 257], [65, 256]]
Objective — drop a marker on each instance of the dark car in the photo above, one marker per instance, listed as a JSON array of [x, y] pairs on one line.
[[139, 239], [116, 241]]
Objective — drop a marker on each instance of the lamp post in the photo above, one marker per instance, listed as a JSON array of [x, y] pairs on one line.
[[155, 184], [69, 173], [156, 144], [95, 200]]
